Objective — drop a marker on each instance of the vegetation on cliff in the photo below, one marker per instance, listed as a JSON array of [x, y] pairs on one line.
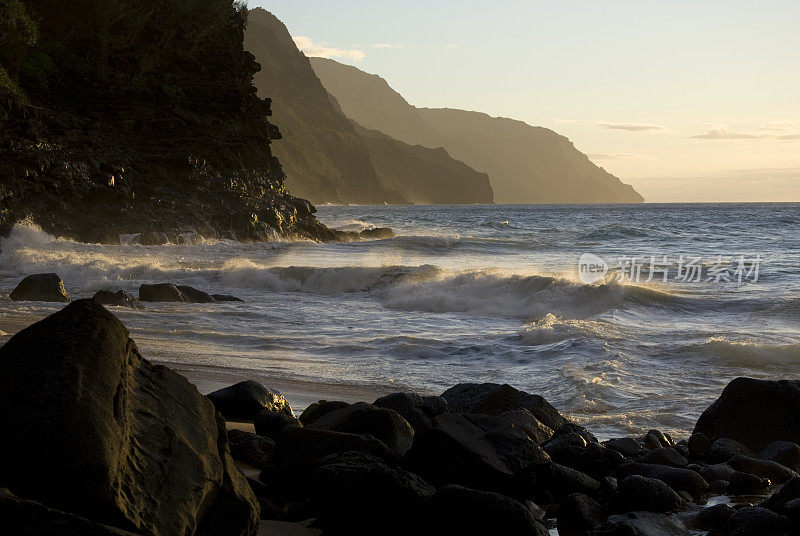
[[138, 116]]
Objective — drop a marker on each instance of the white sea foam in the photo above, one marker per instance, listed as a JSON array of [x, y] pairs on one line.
[[551, 329], [751, 354]]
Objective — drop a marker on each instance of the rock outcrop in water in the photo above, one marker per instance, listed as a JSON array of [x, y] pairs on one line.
[[326, 158], [525, 164], [93, 429], [138, 117]]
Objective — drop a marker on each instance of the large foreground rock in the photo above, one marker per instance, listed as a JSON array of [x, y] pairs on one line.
[[92, 428], [40, 287], [755, 413], [494, 399], [381, 423]]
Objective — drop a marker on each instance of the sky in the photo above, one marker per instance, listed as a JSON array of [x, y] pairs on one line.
[[685, 100]]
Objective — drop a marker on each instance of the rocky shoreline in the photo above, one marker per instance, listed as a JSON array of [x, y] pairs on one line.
[[100, 441]]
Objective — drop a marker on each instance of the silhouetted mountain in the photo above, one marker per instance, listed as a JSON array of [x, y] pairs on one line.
[[425, 176], [525, 164], [325, 159]]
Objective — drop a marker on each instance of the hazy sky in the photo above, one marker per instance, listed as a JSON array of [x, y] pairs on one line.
[[686, 100]]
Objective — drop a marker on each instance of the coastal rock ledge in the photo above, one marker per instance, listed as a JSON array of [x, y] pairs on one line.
[[92, 430]]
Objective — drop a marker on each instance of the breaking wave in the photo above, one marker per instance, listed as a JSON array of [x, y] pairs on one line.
[[749, 354]]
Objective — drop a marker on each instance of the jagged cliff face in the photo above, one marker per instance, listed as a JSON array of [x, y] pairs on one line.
[[140, 117], [324, 158], [525, 164]]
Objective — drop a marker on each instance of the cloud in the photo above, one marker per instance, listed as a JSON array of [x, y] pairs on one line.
[[381, 45], [629, 127], [724, 133], [321, 50], [789, 137], [778, 125]]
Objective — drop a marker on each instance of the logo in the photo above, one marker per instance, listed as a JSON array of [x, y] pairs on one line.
[[591, 268]]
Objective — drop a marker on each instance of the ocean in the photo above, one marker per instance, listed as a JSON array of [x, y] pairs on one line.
[[625, 317]]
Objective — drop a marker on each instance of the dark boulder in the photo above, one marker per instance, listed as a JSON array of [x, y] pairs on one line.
[[484, 452], [529, 424], [137, 445], [789, 492], [194, 295], [161, 292], [24, 517], [649, 494], [269, 423], [646, 524], [723, 449], [303, 447], [226, 298], [627, 446], [665, 456], [699, 445], [776, 472], [358, 494], [119, 298], [783, 452], [377, 233], [714, 517], [318, 409], [244, 399], [469, 512], [573, 428], [383, 424], [578, 513], [250, 448], [756, 521], [755, 413], [417, 410], [40, 287], [494, 399], [747, 484], [679, 479], [561, 481]]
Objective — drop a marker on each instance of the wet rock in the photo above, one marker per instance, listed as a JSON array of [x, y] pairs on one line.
[[789, 492], [383, 424], [656, 439], [318, 409], [194, 295], [356, 494], [24, 517], [251, 448], [746, 484], [269, 423], [478, 451], [699, 445], [783, 452], [665, 456], [464, 511], [377, 233], [494, 399], [226, 298], [754, 412], [572, 428], [119, 298], [649, 494], [678, 479], [774, 471], [40, 287], [717, 471], [756, 521], [161, 292], [303, 447], [561, 481], [714, 518], [649, 524], [415, 409], [599, 461], [244, 399], [136, 443], [578, 513], [566, 448], [529, 424], [723, 449], [627, 446]]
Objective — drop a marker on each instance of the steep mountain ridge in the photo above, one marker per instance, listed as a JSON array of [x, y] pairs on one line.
[[326, 157], [525, 164]]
